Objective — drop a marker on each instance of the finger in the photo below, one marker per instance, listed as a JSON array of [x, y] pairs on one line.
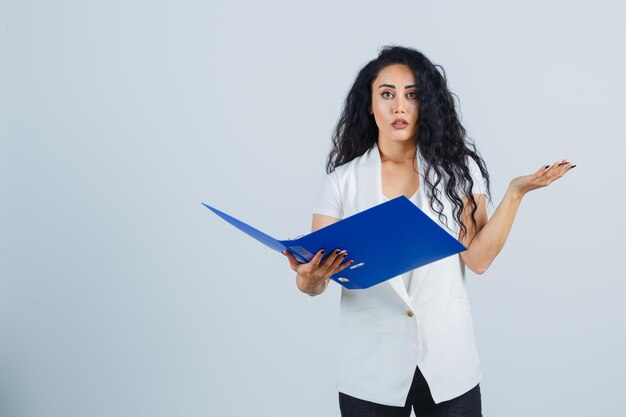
[[552, 168], [293, 262], [559, 169], [563, 168], [318, 257], [554, 165], [340, 257], [567, 166], [328, 262], [343, 266], [562, 164], [542, 170]]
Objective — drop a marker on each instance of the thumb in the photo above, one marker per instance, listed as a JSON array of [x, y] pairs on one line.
[[292, 259]]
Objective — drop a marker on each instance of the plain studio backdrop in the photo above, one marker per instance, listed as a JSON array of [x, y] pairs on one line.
[[121, 295]]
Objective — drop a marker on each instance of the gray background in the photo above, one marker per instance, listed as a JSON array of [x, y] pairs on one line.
[[121, 295]]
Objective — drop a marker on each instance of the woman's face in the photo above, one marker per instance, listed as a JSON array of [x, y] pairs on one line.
[[394, 96]]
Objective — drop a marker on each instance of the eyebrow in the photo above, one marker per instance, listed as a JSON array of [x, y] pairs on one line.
[[393, 86]]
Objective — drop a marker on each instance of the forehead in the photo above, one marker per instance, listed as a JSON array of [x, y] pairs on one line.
[[396, 74]]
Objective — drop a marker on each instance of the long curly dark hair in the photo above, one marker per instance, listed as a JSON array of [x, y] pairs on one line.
[[440, 136]]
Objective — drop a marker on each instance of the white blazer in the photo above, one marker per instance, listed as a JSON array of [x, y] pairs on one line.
[[385, 331]]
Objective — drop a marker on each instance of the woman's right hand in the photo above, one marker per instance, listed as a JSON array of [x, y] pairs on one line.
[[314, 276]]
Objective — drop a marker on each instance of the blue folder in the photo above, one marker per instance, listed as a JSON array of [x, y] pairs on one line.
[[384, 241]]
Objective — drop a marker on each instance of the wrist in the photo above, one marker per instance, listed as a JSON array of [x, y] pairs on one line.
[[515, 194], [309, 288], [305, 285]]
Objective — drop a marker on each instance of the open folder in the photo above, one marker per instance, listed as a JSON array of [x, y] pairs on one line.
[[384, 241]]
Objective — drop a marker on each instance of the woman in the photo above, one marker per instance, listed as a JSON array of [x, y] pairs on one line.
[[409, 341]]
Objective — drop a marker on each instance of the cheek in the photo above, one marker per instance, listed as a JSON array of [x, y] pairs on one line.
[[380, 106], [379, 110], [415, 114]]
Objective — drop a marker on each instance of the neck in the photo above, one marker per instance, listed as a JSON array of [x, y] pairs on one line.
[[397, 152]]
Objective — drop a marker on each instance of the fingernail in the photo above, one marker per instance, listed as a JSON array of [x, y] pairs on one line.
[[573, 166], [323, 251], [547, 166]]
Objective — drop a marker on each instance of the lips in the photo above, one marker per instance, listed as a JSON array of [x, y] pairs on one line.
[[399, 122]]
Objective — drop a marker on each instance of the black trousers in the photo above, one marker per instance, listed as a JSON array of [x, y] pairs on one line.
[[465, 405]]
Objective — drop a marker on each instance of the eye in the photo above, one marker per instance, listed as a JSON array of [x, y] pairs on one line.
[[385, 92], [414, 94]]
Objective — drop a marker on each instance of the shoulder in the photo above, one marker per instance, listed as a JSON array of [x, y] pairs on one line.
[[348, 169], [338, 184], [472, 165]]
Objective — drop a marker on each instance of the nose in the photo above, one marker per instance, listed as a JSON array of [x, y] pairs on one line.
[[399, 104]]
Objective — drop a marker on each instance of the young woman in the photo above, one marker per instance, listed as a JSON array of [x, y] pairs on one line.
[[409, 341]]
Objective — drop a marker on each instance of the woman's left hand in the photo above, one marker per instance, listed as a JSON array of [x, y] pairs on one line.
[[542, 178]]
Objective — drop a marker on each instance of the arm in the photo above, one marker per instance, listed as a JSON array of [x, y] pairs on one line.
[[488, 239], [484, 245]]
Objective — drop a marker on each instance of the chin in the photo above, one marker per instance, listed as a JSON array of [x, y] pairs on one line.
[[397, 138]]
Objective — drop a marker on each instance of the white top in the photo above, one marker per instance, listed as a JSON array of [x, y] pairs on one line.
[[407, 277], [385, 331]]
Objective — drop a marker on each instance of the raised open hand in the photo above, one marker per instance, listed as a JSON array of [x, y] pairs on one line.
[[541, 178]]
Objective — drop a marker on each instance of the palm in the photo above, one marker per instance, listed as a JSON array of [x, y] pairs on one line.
[[542, 177]]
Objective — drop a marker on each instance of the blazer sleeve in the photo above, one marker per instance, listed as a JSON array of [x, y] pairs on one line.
[[479, 186], [327, 199]]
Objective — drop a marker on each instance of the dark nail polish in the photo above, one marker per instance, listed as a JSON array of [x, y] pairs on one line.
[[323, 251], [560, 164], [337, 251], [547, 166], [573, 166]]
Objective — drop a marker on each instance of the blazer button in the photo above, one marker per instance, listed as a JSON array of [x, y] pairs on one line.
[[409, 313]]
